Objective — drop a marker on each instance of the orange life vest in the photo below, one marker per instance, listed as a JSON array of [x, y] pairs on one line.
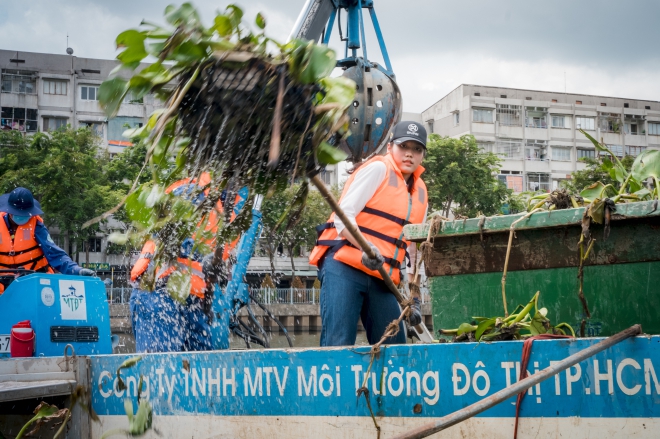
[[22, 249], [198, 284], [381, 221]]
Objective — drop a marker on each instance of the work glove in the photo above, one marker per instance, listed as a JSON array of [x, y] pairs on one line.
[[86, 272], [372, 264], [415, 317]]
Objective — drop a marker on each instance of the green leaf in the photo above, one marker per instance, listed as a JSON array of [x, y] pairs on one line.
[[317, 62], [235, 14], [596, 210], [484, 326], [339, 90], [643, 194], [133, 42], [222, 25], [596, 190], [111, 95], [646, 165], [329, 155], [537, 326], [127, 364], [178, 285], [185, 14], [188, 52], [465, 327], [260, 21], [43, 413]]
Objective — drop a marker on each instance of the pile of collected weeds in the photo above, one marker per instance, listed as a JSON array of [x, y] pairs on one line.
[[240, 107], [525, 321]]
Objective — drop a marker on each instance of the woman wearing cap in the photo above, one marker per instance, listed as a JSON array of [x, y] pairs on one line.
[[380, 197], [25, 242]]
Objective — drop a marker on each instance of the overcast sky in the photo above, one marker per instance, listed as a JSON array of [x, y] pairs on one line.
[[605, 47]]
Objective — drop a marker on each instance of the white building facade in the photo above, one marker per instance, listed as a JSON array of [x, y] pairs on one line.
[[536, 132]]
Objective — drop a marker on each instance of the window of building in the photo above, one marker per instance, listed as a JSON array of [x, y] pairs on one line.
[[617, 150], [603, 104], [482, 115], [119, 124], [477, 94], [94, 245], [53, 87], [610, 123], [538, 182], [578, 102], [508, 115], [585, 123], [20, 119], [54, 123], [528, 98], [626, 105], [586, 153], [131, 98], [513, 182], [429, 124], [634, 150], [648, 107], [561, 121], [95, 127], [503, 96], [326, 176], [554, 101], [19, 81], [561, 154], [509, 148], [654, 128], [89, 93], [536, 117], [486, 146], [456, 117], [536, 150]]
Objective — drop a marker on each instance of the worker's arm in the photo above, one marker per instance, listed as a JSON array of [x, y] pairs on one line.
[[56, 257], [367, 180]]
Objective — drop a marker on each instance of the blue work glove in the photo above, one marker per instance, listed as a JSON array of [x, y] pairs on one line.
[[86, 272], [415, 317], [373, 264]]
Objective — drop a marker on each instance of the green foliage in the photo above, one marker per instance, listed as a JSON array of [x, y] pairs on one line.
[[287, 111], [42, 414], [525, 321], [458, 172], [65, 171]]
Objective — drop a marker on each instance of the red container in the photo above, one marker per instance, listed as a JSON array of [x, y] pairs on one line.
[[21, 343]]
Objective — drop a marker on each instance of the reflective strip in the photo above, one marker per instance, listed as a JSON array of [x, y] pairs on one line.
[[146, 256], [393, 180], [194, 271], [422, 195]]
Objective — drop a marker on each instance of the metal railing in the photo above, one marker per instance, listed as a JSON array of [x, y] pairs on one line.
[[267, 296]]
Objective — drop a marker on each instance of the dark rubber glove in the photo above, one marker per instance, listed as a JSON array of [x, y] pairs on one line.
[[372, 264], [415, 317], [86, 272]]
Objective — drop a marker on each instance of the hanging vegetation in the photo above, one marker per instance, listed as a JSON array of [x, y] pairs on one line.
[[241, 107]]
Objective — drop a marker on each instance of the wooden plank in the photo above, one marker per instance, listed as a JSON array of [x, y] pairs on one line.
[[17, 390]]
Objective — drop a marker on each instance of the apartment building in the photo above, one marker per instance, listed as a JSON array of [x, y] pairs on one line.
[[536, 132], [43, 92]]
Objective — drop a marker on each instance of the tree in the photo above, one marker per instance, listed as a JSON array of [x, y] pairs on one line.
[[65, 172], [460, 177], [594, 172], [302, 226]]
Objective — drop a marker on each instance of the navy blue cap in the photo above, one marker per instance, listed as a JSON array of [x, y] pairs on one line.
[[408, 130], [20, 202]]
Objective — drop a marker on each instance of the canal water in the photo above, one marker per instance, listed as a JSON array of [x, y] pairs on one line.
[[277, 340]]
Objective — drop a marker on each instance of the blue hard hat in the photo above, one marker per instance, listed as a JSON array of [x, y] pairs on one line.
[[20, 202]]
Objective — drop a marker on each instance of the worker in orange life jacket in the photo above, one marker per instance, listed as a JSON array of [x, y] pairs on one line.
[[381, 196], [25, 243], [160, 324]]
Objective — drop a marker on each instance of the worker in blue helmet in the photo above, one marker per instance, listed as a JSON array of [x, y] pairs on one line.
[[25, 243]]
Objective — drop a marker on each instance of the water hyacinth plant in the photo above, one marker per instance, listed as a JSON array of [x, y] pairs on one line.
[[247, 110]]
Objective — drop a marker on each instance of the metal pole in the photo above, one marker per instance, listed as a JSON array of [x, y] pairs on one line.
[[520, 386]]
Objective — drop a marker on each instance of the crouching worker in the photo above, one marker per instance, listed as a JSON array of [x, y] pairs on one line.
[[160, 323], [25, 243], [380, 197]]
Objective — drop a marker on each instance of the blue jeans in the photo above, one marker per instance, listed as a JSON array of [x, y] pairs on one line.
[[160, 324], [348, 294]]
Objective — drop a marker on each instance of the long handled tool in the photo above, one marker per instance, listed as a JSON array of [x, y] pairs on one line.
[[521, 386], [421, 330]]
